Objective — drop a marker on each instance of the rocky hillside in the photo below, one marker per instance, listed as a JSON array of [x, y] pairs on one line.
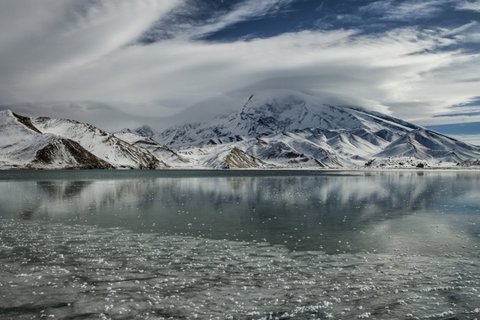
[[45, 143], [22, 145], [102, 144]]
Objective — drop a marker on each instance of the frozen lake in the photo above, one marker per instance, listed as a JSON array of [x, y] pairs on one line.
[[240, 245]]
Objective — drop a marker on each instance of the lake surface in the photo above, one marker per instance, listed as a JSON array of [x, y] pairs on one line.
[[239, 245]]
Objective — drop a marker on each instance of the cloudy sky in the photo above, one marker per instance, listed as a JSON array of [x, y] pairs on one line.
[[121, 63]]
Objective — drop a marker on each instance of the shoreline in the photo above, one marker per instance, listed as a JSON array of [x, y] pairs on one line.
[[273, 169], [92, 174]]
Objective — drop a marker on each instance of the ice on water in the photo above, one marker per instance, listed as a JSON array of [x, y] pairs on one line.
[[85, 272]]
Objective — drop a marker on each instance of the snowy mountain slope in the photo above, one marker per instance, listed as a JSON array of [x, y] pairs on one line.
[[22, 145], [232, 158], [274, 112], [104, 145], [161, 152], [425, 144], [225, 156], [273, 129], [284, 150], [291, 129]]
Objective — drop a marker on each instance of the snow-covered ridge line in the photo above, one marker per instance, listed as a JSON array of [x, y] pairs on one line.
[[45, 143], [104, 145], [284, 130], [22, 145]]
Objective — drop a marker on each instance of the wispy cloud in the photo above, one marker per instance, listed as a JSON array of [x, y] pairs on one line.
[[244, 11], [56, 36], [469, 5], [404, 10], [472, 102], [61, 52]]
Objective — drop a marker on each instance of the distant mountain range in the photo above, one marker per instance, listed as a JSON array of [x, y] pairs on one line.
[[274, 129], [46, 143]]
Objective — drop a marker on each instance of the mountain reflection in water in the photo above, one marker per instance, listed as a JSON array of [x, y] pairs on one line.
[[431, 212]]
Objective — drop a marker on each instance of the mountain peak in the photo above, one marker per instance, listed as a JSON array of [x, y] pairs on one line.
[[145, 131], [6, 113], [273, 111], [274, 129], [293, 129], [286, 108], [101, 143]]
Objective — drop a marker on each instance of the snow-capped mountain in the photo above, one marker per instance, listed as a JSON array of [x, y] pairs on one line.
[[60, 143], [275, 129], [161, 152], [291, 129], [22, 145], [102, 144], [275, 112]]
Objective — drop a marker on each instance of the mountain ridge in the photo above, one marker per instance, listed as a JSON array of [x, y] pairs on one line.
[[290, 129], [280, 129], [22, 145]]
